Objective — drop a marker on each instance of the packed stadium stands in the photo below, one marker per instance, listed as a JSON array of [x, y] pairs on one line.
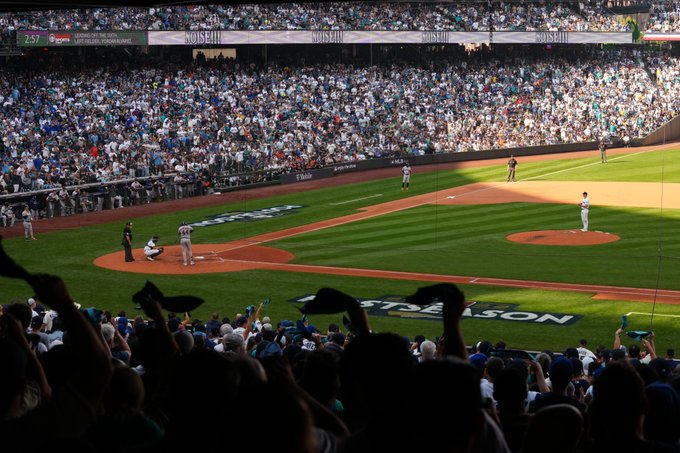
[[108, 122], [472, 16], [146, 124]]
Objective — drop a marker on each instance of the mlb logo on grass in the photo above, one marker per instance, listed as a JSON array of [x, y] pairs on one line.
[[248, 216]]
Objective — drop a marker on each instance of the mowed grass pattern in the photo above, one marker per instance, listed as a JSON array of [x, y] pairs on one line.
[[471, 240], [458, 240]]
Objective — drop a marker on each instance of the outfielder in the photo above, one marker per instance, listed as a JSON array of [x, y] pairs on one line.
[[406, 179], [150, 249], [585, 207], [184, 233]]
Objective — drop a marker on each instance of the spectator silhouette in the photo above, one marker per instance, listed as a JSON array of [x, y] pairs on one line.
[[70, 412], [557, 428], [510, 392], [618, 410]]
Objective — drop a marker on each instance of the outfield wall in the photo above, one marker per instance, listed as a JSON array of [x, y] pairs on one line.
[[430, 159], [666, 133], [18, 199]]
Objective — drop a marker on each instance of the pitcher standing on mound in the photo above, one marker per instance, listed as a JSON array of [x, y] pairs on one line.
[[585, 207]]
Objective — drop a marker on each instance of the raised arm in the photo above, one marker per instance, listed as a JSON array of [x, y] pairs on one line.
[[74, 408], [617, 338], [648, 343]]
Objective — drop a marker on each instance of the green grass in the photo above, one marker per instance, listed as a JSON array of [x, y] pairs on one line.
[[471, 240], [458, 240]]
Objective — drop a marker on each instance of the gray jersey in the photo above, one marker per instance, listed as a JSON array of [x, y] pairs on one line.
[[185, 232]]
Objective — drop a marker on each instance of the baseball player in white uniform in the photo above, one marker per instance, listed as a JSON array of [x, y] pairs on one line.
[[406, 179], [184, 233], [150, 249], [585, 207]]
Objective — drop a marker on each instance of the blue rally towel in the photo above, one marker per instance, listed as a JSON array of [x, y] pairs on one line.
[[638, 334]]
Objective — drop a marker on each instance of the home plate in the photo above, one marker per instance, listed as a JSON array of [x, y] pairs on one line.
[[451, 197], [199, 257]]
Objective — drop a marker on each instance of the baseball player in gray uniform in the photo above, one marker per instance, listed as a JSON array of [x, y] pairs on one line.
[[28, 223], [585, 207], [406, 179], [184, 233]]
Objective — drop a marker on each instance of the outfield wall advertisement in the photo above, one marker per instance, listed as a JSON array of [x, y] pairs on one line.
[[43, 38], [661, 37]]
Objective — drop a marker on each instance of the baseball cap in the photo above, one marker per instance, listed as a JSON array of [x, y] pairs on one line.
[[272, 349], [478, 360]]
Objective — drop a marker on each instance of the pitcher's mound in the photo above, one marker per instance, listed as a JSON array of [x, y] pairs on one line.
[[563, 237]]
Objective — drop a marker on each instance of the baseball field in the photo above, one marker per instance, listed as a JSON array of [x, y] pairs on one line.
[[533, 279]]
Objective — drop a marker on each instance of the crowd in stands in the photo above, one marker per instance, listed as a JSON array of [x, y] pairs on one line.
[[68, 126], [95, 381], [473, 16], [664, 17]]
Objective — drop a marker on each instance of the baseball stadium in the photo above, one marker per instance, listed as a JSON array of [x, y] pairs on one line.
[[277, 134]]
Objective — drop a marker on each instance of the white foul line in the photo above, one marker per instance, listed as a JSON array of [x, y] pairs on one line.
[[650, 314], [356, 199], [592, 164], [501, 184]]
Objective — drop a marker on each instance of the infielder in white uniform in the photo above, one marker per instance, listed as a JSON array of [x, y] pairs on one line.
[[406, 179], [585, 207], [184, 233], [150, 249]]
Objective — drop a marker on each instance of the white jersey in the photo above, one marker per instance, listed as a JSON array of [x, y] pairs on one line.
[[585, 204], [406, 171]]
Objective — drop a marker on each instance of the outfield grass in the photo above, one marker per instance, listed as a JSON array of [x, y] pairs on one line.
[[459, 240]]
